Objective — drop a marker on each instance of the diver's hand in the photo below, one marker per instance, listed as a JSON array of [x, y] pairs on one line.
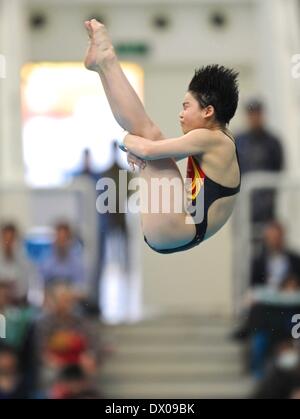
[[133, 161]]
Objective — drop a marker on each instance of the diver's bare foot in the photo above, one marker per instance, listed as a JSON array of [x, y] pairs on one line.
[[100, 50]]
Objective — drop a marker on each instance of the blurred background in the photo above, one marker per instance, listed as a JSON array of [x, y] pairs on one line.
[[87, 310]]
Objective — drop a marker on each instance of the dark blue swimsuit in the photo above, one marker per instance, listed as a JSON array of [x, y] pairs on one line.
[[201, 185]]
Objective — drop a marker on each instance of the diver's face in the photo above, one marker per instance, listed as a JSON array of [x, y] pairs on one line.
[[192, 115]]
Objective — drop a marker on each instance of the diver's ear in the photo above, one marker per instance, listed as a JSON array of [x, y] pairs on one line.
[[209, 111]]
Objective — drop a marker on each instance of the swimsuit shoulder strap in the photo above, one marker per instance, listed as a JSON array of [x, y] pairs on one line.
[[229, 134]]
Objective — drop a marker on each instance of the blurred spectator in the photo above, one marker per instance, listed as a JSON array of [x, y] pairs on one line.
[[10, 377], [274, 261], [87, 177], [268, 320], [65, 262], [117, 220], [18, 318], [282, 380], [64, 337], [14, 266], [19, 325], [72, 383], [86, 167], [259, 150], [113, 226]]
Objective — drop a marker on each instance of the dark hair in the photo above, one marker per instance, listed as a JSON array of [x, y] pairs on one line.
[[9, 227], [63, 225], [217, 86], [254, 105]]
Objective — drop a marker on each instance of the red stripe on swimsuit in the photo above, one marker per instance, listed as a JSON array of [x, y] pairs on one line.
[[197, 176]]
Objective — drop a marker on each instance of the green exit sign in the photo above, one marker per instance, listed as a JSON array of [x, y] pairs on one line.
[[132, 48]]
